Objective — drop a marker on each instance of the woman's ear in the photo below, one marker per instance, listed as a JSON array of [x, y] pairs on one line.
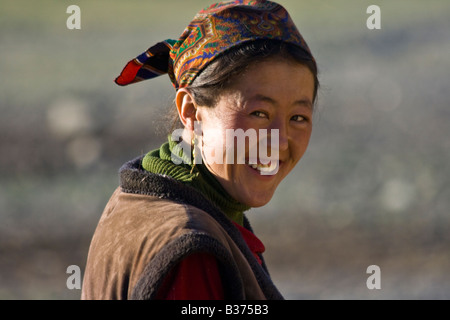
[[187, 108]]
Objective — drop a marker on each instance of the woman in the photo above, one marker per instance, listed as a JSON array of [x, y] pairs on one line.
[[176, 228]]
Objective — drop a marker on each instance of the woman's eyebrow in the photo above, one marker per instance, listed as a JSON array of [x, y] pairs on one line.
[[261, 97], [305, 102], [302, 102]]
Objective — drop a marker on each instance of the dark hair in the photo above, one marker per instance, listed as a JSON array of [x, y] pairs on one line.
[[219, 74]]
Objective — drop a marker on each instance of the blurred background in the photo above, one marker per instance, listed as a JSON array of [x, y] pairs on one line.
[[372, 189]]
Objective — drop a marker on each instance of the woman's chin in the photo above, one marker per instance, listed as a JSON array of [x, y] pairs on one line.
[[259, 204], [255, 199]]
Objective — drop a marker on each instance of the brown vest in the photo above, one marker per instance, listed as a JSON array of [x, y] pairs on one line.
[[149, 225]]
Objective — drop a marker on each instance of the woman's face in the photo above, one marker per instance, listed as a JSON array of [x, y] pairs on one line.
[[274, 94]]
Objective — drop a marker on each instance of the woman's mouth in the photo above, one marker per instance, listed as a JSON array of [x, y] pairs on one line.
[[269, 169]]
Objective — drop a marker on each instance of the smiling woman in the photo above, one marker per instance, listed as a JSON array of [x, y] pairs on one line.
[[177, 230]]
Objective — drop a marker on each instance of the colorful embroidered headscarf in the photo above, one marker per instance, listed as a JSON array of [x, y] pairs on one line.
[[213, 30]]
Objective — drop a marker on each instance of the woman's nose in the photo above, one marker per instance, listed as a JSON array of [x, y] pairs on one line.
[[281, 128]]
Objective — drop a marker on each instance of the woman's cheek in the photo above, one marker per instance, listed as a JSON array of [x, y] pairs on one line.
[[213, 148]]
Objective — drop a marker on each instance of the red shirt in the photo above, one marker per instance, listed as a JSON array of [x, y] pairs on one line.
[[197, 276]]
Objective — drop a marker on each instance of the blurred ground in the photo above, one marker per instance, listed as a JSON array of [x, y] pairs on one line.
[[373, 188]]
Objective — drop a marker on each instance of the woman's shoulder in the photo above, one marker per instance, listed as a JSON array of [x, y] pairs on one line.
[[151, 209], [152, 215], [164, 198]]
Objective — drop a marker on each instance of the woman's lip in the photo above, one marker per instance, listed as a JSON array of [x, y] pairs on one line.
[[263, 162], [260, 173]]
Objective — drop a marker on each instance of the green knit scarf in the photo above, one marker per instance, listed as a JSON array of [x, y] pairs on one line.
[[160, 161]]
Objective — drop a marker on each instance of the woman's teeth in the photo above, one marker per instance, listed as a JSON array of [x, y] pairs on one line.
[[265, 168]]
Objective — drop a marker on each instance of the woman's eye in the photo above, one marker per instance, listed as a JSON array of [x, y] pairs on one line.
[[259, 114], [298, 118]]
